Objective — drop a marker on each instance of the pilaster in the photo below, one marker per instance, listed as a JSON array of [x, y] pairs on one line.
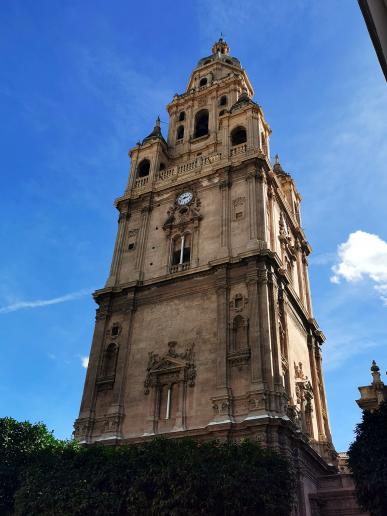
[[119, 246]]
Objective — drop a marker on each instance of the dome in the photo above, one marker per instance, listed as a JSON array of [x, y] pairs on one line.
[[220, 52]]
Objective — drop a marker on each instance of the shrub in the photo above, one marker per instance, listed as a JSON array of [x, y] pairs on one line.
[[161, 477], [368, 461]]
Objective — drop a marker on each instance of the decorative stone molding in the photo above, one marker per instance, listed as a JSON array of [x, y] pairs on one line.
[[238, 303], [83, 428], [114, 331], [221, 406], [179, 218], [173, 366], [239, 208]]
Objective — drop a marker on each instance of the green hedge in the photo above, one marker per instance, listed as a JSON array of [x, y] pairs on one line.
[[368, 461], [161, 477]]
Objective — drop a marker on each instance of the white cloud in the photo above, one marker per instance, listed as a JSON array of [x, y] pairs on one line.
[[85, 362], [20, 305], [363, 255]]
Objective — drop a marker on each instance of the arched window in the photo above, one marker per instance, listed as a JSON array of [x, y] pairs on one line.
[[181, 249], [109, 362], [222, 112], [201, 123], [238, 136], [203, 81], [143, 168], [162, 166], [180, 132], [223, 101], [182, 116], [229, 61]]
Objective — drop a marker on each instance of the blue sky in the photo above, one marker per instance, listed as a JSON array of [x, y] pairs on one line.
[[81, 82]]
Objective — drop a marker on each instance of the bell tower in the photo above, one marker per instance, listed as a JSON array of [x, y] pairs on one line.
[[205, 325]]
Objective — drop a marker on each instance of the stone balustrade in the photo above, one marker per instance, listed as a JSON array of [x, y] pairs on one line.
[[238, 149], [141, 181]]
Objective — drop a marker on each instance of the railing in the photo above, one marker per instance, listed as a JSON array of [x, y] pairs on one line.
[[179, 170], [141, 181], [238, 149], [179, 267], [185, 168]]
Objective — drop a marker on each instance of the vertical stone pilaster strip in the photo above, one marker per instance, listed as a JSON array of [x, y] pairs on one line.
[[275, 339], [118, 396], [307, 286], [180, 415], [300, 274], [252, 203], [264, 323], [118, 247], [225, 229], [195, 244], [221, 286], [270, 196], [316, 390], [283, 303], [254, 327], [142, 239], [322, 392], [96, 353], [261, 208]]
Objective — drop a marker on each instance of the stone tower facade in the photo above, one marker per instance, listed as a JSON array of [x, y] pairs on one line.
[[205, 325]]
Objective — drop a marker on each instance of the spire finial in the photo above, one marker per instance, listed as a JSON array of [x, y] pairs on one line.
[[375, 371], [276, 158], [158, 121]]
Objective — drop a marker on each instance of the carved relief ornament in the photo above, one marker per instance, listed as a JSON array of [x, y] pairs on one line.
[[171, 367], [180, 217]]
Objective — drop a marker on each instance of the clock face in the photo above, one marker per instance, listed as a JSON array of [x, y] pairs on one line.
[[184, 198]]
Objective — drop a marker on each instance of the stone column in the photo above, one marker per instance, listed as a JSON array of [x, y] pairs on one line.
[[119, 247], [316, 390]]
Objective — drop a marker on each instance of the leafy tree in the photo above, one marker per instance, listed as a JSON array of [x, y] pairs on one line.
[[368, 461], [19, 443], [161, 477]]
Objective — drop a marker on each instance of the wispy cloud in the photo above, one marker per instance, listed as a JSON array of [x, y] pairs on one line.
[[85, 362], [363, 255], [21, 305]]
